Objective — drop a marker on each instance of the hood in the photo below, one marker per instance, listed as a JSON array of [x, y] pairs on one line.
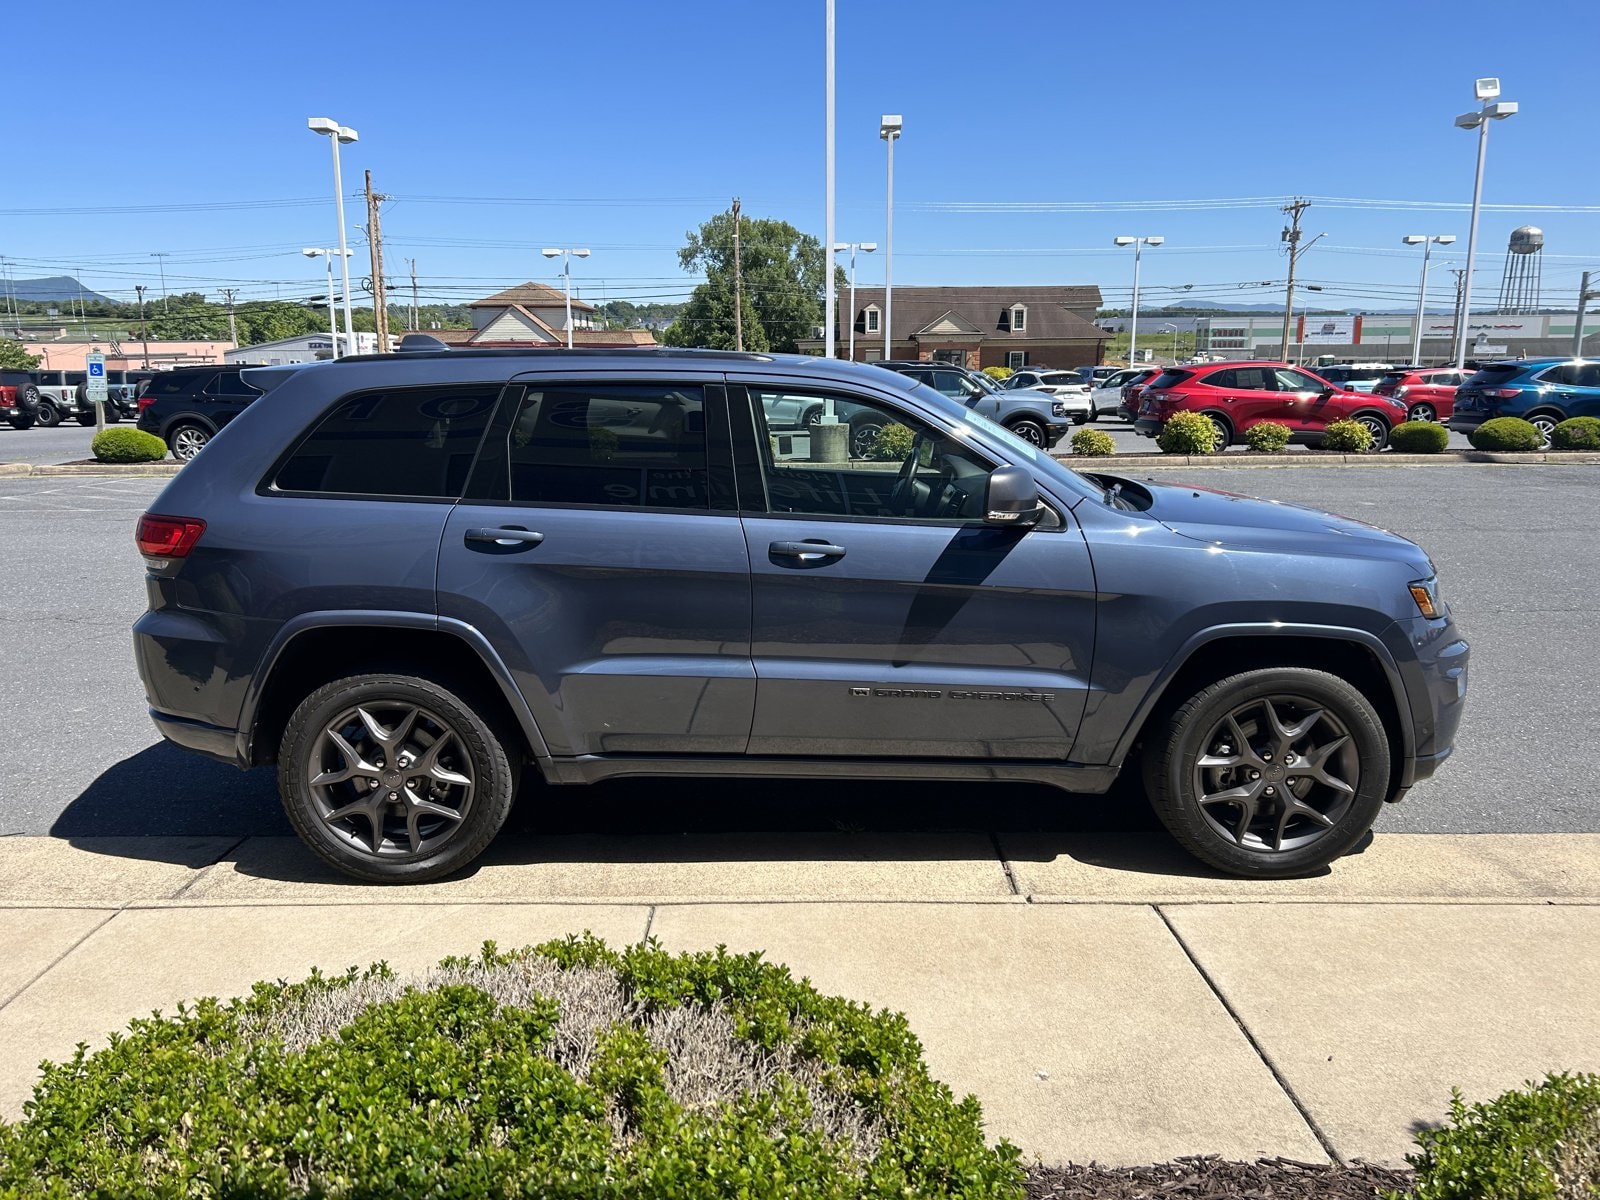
[[1243, 523]]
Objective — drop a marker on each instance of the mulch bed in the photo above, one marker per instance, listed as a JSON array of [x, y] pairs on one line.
[[1213, 1178]]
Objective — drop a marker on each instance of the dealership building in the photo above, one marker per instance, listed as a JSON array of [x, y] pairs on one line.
[[1386, 337]]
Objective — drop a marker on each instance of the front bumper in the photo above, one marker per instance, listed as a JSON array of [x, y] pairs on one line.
[[1432, 657]]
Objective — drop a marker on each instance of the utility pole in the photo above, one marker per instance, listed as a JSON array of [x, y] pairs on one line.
[[1455, 316], [233, 330], [1291, 235], [1584, 296], [161, 261], [738, 284], [413, 263], [380, 294], [144, 329]]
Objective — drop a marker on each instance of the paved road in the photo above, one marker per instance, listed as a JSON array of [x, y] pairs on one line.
[[1512, 544]]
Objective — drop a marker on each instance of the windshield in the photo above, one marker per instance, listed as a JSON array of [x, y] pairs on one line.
[[985, 382]]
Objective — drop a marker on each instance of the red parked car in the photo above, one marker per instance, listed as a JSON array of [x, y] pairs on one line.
[[1237, 395], [1129, 408], [1429, 393]]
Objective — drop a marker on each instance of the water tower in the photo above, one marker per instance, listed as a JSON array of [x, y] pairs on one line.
[[1519, 286]]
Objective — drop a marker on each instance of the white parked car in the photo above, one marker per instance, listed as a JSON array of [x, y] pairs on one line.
[[1066, 387], [1107, 395]]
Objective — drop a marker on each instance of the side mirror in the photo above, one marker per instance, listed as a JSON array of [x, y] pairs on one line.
[[1011, 498]]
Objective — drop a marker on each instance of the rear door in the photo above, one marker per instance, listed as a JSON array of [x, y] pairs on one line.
[[1299, 403], [888, 620], [599, 550]]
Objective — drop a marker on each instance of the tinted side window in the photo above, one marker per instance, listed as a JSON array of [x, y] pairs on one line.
[[620, 445], [231, 383], [409, 442], [1588, 375], [1221, 379], [174, 384]]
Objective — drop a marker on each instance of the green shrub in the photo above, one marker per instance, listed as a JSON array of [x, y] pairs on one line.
[[1506, 433], [569, 1070], [1542, 1143], [1188, 433], [1418, 437], [1576, 433], [1347, 437], [1093, 443], [1267, 436], [891, 444], [127, 446], [998, 373]]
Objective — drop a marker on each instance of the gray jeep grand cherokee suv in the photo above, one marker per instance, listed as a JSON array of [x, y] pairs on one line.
[[403, 578]]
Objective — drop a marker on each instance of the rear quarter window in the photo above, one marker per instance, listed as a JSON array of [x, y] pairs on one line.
[[1169, 379], [1495, 375]]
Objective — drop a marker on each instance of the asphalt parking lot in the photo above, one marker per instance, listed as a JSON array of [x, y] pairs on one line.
[[1517, 563]]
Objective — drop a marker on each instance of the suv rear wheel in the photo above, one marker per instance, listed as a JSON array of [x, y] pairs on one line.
[[1422, 412], [1269, 774], [1546, 424], [393, 779], [187, 440], [1224, 430], [49, 414]]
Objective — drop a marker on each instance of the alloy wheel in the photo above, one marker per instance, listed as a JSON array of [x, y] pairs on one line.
[[1546, 425], [1276, 773], [188, 442], [862, 437], [1376, 427], [1422, 412], [393, 780], [1029, 432]]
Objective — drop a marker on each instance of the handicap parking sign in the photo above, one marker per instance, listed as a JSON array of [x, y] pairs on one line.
[[96, 369]]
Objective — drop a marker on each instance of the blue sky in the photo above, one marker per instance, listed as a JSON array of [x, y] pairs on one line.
[[504, 127]]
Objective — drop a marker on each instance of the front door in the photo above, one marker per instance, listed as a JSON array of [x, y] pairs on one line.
[[888, 620], [599, 550], [1303, 406]]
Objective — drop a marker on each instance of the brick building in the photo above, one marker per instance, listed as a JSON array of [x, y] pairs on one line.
[[1026, 325], [535, 314]]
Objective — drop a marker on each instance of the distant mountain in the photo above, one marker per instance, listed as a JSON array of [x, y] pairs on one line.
[[57, 287]]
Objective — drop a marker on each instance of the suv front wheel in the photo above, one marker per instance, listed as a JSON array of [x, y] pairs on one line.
[[1269, 774], [393, 779]]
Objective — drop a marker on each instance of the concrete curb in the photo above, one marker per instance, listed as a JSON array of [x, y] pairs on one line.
[[17, 470], [1445, 458]]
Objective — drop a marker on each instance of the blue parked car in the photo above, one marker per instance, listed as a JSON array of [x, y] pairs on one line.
[[404, 579], [1545, 391]]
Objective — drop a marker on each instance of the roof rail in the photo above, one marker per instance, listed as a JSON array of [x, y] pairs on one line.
[[414, 343]]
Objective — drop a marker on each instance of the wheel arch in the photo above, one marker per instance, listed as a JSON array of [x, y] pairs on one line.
[[1374, 414], [1354, 655], [318, 647], [1217, 416], [187, 418]]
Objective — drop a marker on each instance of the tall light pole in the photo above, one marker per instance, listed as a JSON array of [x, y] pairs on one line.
[[1138, 244], [566, 271], [333, 326], [161, 263], [1492, 109], [830, 331], [865, 248], [1175, 331], [144, 329], [1426, 241], [337, 135], [889, 127]]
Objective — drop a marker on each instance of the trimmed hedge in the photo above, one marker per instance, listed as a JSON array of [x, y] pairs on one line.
[[1267, 436], [567, 1070], [1419, 437], [1188, 433], [998, 373], [891, 444], [1576, 433], [1506, 433], [1542, 1143], [1093, 443], [127, 446], [1347, 437]]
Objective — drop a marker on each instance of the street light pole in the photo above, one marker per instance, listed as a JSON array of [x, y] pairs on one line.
[[161, 264], [566, 256], [333, 325], [144, 329], [1486, 90], [1426, 241], [338, 134], [829, 328], [1138, 244], [865, 248], [889, 127]]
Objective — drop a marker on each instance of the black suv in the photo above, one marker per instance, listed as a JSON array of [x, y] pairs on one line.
[[186, 407], [19, 399], [403, 578]]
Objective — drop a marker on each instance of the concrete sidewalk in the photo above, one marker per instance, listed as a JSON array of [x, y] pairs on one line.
[[1102, 995]]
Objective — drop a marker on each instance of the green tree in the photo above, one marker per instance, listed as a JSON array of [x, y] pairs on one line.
[[15, 358], [272, 320], [783, 281], [188, 317]]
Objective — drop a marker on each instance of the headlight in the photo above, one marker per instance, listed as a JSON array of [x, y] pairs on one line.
[[1426, 593], [1058, 409]]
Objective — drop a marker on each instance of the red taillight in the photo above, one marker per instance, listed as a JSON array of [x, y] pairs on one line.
[[145, 402], [168, 537], [1501, 393], [1171, 398]]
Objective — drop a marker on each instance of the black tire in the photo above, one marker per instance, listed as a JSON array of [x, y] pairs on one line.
[[1376, 426], [1031, 432], [863, 434], [1422, 412], [20, 422], [1546, 424], [385, 841], [1224, 428], [1232, 835], [113, 415], [186, 439], [84, 418], [1080, 418], [29, 395], [49, 414]]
